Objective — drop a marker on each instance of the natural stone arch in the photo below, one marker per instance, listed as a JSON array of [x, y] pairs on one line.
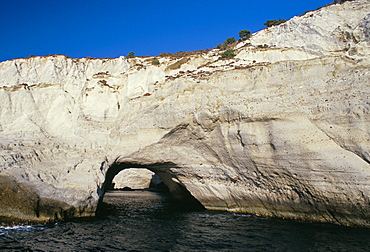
[[177, 190]]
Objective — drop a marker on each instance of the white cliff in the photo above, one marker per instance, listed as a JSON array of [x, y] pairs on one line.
[[278, 131], [134, 178]]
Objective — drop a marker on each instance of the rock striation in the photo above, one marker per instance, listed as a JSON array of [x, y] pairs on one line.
[[280, 130]]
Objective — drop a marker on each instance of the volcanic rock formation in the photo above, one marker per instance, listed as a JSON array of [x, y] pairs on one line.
[[280, 130]]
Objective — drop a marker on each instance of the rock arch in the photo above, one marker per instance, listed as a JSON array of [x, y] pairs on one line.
[[177, 190]]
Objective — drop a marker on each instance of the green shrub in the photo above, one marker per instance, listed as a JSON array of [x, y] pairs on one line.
[[244, 34], [155, 62], [263, 46], [165, 54], [222, 46], [228, 54], [273, 22], [131, 55], [229, 41]]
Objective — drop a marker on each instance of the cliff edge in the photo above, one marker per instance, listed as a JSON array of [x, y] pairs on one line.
[[282, 129]]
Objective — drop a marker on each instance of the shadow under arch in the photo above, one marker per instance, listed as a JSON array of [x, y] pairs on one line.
[[178, 191]]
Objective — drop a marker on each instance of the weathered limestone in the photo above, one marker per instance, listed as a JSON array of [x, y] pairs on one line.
[[279, 131], [133, 178]]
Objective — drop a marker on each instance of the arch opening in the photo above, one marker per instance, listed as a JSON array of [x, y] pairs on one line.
[[131, 179], [170, 183]]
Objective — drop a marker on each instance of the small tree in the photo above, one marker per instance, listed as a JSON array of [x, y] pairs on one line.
[[131, 55], [229, 41], [273, 22], [244, 34], [228, 54]]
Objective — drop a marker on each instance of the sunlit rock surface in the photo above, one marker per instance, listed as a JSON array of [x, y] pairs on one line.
[[279, 131], [133, 178]]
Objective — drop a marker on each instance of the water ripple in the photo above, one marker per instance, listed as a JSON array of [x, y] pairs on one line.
[[153, 223]]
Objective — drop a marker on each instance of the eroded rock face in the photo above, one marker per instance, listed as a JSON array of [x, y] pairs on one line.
[[21, 203], [133, 178], [279, 131]]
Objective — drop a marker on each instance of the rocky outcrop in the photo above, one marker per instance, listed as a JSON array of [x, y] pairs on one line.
[[133, 178], [280, 130]]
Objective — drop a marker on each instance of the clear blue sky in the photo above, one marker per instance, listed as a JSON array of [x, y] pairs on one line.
[[111, 28]]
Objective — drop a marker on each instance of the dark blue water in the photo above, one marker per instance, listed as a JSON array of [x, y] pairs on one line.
[[149, 221]]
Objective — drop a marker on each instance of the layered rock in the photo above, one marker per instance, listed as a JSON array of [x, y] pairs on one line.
[[278, 131]]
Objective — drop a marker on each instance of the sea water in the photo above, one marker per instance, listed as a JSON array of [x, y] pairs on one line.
[[151, 221]]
